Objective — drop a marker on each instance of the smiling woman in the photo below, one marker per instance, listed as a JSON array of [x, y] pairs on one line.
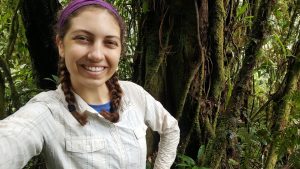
[[92, 120], [91, 49]]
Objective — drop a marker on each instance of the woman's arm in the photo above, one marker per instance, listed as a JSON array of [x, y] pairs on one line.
[[160, 120], [21, 136]]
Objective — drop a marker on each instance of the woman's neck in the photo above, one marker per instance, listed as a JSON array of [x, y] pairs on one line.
[[94, 96]]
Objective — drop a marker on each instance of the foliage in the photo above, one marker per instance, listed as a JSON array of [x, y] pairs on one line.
[[189, 163], [130, 12], [19, 61]]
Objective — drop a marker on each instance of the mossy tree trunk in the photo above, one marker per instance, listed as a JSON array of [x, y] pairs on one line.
[[216, 31], [170, 57], [180, 60], [225, 141], [282, 106]]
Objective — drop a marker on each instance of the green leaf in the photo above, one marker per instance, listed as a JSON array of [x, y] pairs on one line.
[[233, 162], [183, 165], [201, 151], [242, 10], [277, 38], [186, 160], [54, 79], [145, 7]]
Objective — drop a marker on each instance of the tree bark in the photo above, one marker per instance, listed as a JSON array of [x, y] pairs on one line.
[[216, 17], [169, 55], [39, 18], [226, 140]]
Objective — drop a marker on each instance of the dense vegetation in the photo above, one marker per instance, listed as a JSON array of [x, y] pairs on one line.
[[227, 70]]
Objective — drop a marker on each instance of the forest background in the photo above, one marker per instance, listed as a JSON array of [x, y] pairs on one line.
[[228, 70]]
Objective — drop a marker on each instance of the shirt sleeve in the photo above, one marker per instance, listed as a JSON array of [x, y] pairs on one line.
[[160, 120], [21, 137]]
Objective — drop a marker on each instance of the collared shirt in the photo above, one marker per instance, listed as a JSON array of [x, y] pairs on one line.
[[44, 125]]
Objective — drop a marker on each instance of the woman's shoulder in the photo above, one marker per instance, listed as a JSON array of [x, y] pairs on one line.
[[131, 89], [42, 102], [49, 99], [36, 108], [45, 97], [128, 85]]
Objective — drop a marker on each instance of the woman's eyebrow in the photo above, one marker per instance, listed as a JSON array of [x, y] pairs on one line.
[[81, 31], [113, 37], [91, 34]]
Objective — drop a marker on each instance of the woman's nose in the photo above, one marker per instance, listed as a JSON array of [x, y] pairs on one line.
[[96, 52]]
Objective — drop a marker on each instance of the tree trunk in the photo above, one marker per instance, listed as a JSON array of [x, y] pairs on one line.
[[39, 17], [216, 17], [226, 132], [170, 55], [282, 105], [14, 93]]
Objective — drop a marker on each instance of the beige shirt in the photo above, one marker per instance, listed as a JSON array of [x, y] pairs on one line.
[[44, 125]]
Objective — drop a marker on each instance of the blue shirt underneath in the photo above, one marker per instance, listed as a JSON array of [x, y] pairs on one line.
[[101, 107]]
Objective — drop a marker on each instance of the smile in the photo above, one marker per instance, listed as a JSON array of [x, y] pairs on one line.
[[94, 68]]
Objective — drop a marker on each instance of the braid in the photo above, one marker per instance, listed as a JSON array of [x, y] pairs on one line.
[[69, 95], [116, 96]]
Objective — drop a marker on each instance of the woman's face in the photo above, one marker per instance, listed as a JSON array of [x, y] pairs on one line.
[[91, 48]]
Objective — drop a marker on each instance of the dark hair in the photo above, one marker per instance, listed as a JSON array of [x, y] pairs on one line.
[[112, 84]]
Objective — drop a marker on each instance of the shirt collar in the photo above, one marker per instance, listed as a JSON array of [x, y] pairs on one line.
[[82, 106]]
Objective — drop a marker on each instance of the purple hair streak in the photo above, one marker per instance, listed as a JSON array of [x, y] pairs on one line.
[[76, 4]]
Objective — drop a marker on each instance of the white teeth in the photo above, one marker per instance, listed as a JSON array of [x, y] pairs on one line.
[[94, 69]]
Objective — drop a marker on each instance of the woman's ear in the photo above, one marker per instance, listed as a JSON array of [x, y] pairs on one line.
[[60, 46]]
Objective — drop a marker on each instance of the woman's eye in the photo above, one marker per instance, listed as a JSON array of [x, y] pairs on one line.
[[112, 44], [82, 38]]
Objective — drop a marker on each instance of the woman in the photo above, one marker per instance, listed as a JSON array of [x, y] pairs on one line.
[[92, 120]]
